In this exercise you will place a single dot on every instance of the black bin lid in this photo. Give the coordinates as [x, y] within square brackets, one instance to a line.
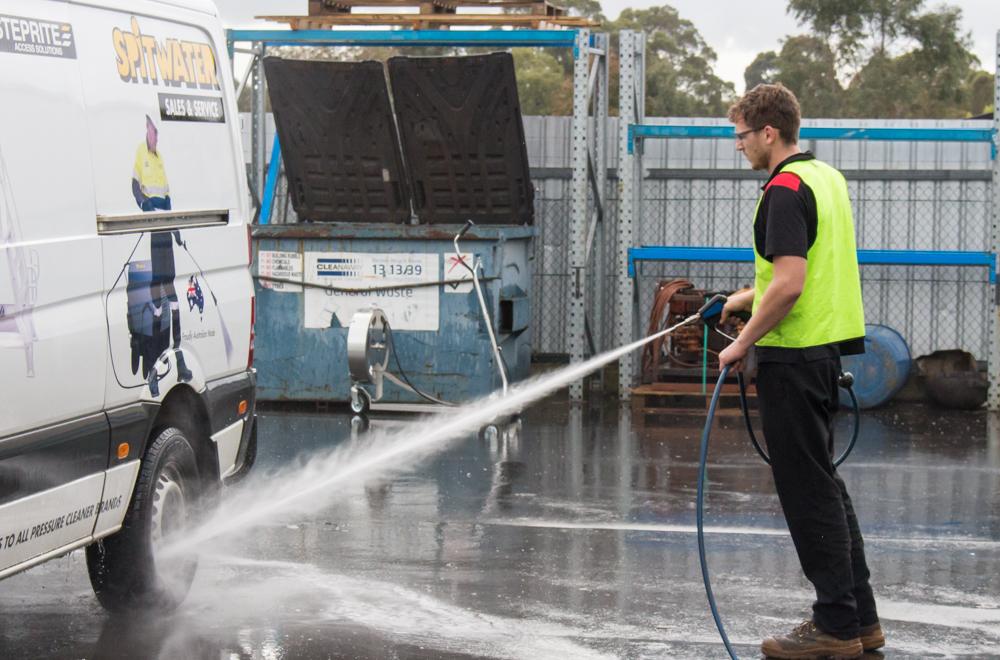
[463, 138]
[339, 140]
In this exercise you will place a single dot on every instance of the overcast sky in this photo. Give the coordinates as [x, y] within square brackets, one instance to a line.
[735, 29]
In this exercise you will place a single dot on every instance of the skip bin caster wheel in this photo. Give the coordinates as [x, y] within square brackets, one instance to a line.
[361, 400]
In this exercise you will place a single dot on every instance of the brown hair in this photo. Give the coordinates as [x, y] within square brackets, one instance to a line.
[769, 105]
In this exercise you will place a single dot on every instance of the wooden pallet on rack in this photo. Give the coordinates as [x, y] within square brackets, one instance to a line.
[327, 7]
[325, 14]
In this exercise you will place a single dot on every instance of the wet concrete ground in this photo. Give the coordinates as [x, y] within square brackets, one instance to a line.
[575, 540]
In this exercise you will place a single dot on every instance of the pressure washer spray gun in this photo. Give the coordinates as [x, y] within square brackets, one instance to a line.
[712, 308]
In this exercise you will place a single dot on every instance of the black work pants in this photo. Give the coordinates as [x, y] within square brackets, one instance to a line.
[798, 398]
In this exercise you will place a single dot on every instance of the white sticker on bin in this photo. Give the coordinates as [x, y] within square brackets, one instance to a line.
[278, 270]
[352, 281]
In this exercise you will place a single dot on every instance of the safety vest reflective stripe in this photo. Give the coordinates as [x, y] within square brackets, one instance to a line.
[830, 308]
[148, 170]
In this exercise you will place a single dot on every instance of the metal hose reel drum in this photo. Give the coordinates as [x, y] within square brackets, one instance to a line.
[368, 351]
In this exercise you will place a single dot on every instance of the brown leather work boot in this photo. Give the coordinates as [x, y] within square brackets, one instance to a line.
[872, 637]
[806, 641]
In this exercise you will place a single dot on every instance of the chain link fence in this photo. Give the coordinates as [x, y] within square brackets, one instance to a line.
[906, 196]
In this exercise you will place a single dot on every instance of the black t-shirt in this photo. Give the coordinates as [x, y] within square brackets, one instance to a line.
[786, 221]
[785, 226]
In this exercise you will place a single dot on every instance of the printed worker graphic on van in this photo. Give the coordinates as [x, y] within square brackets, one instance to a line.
[149, 177]
[154, 315]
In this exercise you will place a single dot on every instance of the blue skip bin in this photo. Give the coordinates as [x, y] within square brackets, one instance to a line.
[311, 278]
[881, 371]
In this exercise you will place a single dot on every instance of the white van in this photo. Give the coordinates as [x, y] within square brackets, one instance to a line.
[126, 303]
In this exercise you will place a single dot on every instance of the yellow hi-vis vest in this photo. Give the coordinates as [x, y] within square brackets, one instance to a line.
[149, 172]
[829, 310]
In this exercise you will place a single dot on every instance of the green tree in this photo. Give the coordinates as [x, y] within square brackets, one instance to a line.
[856, 29]
[542, 84]
[928, 80]
[546, 95]
[876, 58]
[680, 76]
[807, 66]
[587, 8]
[765, 68]
[980, 86]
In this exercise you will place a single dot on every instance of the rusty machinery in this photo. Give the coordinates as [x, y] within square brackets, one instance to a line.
[677, 355]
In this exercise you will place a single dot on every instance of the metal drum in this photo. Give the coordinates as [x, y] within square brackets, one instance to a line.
[881, 371]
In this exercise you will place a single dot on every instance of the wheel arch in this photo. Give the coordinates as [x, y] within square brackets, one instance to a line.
[184, 409]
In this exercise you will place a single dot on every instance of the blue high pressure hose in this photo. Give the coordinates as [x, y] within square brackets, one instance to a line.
[846, 382]
[702, 469]
[710, 309]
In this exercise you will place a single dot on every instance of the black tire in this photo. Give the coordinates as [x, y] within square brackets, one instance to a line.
[123, 567]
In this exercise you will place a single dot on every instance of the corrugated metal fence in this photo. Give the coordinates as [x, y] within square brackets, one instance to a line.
[907, 196]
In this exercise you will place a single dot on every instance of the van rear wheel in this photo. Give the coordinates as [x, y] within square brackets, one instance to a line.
[128, 570]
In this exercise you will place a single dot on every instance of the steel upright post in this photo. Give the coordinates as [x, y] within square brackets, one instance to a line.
[603, 43]
[258, 117]
[993, 401]
[579, 149]
[631, 110]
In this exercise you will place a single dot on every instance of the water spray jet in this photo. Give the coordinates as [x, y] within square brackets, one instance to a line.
[389, 452]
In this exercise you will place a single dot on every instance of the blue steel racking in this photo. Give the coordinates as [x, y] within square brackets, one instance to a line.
[883, 257]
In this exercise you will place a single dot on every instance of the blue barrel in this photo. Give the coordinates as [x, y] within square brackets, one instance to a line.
[881, 371]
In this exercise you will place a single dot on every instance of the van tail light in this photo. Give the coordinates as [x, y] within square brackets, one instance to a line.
[253, 334]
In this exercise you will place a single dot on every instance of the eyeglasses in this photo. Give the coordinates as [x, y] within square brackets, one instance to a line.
[743, 134]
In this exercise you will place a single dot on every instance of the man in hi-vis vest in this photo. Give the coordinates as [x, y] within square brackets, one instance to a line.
[807, 312]
[149, 178]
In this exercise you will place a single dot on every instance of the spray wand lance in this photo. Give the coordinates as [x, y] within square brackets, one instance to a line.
[474, 269]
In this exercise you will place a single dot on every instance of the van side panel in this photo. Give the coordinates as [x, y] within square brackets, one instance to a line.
[123, 259]
[160, 128]
[52, 330]
[117, 495]
[135, 65]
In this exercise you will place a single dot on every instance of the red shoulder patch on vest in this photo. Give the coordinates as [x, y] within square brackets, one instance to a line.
[786, 180]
